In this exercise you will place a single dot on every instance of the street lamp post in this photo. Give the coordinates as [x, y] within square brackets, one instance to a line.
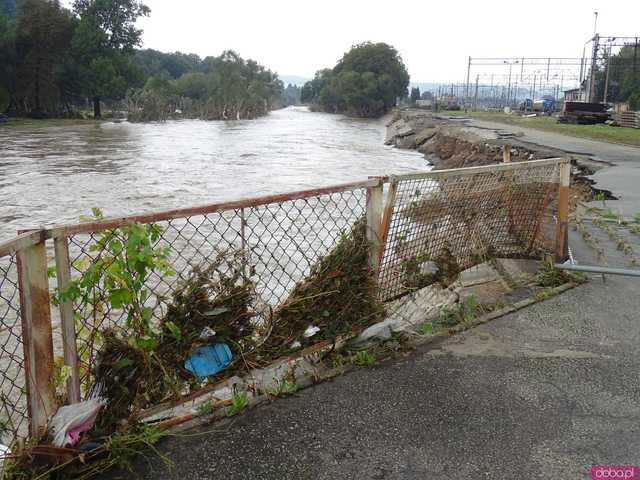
[511, 64]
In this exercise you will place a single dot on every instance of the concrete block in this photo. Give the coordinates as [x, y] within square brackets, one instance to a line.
[483, 273]
[518, 270]
[407, 312]
[484, 293]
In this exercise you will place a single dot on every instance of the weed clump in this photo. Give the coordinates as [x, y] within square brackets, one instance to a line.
[338, 296]
[550, 276]
[463, 313]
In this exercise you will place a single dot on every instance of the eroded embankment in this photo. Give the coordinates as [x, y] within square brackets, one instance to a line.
[452, 144]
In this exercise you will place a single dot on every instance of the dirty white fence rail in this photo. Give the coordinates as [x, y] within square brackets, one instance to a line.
[449, 219]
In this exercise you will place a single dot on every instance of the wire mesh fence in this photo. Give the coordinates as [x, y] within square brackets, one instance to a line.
[276, 244]
[13, 401]
[296, 251]
[440, 223]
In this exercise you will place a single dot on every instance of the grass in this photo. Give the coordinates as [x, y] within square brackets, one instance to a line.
[426, 328]
[284, 388]
[464, 312]
[205, 409]
[610, 215]
[239, 402]
[627, 136]
[32, 123]
[549, 276]
[362, 358]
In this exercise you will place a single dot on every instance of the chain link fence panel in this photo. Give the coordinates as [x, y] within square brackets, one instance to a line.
[439, 223]
[279, 242]
[13, 398]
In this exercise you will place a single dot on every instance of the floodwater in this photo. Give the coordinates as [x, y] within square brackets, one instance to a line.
[54, 175]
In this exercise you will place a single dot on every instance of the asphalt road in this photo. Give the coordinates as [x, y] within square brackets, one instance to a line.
[540, 394]
[622, 178]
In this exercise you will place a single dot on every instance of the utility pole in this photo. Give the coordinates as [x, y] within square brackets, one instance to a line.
[475, 100]
[548, 67]
[533, 90]
[594, 66]
[606, 79]
[511, 64]
[594, 60]
[467, 90]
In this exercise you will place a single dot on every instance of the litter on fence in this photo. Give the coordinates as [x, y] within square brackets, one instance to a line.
[209, 360]
[71, 421]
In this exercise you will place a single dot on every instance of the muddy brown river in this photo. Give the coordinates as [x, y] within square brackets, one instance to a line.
[53, 175]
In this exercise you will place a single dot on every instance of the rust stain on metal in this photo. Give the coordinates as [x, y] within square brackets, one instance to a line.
[386, 217]
[66, 230]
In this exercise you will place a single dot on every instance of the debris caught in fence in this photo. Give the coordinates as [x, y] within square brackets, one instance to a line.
[338, 296]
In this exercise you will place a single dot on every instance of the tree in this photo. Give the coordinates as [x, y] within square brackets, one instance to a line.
[221, 88]
[624, 76]
[43, 35]
[291, 95]
[7, 60]
[311, 90]
[366, 82]
[167, 65]
[380, 59]
[104, 42]
[8, 8]
[415, 95]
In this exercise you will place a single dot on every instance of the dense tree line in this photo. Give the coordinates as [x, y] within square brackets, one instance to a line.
[366, 82]
[54, 57]
[624, 77]
[54, 60]
[291, 95]
[216, 88]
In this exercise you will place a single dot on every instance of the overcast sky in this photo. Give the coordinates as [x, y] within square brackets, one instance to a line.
[434, 37]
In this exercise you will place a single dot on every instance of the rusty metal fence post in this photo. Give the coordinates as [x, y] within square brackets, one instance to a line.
[374, 219]
[506, 153]
[562, 224]
[67, 319]
[37, 337]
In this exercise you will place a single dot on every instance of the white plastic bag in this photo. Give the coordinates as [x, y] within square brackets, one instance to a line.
[71, 420]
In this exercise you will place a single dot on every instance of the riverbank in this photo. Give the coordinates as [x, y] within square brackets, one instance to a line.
[605, 133]
[33, 123]
[448, 143]
[451, 144]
